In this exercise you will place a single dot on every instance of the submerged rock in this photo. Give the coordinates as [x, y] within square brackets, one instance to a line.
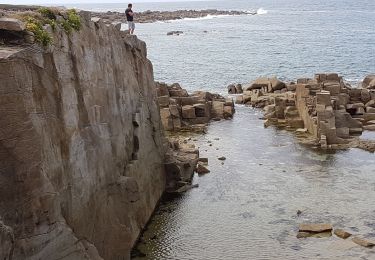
[342, 233]
[363, 242]
[175, 33]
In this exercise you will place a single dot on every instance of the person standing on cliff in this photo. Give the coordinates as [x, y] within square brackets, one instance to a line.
[130, 18]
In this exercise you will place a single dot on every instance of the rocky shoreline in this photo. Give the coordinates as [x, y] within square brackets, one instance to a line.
[140, 17]
[154, 16]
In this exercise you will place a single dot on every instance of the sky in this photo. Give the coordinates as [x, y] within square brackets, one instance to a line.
[57, 2]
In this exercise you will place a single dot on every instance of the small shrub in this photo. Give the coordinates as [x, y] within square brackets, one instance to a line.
[67, 27]
[53, 23]
[40, 34]
[36, 20]
[73, 21]
[47, 13]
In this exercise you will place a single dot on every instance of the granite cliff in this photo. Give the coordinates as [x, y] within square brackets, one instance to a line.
[81, 145]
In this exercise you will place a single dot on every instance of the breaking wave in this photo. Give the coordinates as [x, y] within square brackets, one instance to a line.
[262, 11]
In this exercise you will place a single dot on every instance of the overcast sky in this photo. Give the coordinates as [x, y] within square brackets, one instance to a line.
[58, 2]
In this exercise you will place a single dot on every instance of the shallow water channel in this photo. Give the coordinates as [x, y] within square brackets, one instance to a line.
[247, 207]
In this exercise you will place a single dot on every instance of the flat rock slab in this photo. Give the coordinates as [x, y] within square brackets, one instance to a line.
[315, 228]
[363, 242]
[11, 24]
[342, 233]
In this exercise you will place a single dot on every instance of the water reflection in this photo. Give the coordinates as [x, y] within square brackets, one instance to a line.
[247, 207]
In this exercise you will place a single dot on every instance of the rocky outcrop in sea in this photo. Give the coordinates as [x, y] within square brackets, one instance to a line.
[326, 107]
[154, 16]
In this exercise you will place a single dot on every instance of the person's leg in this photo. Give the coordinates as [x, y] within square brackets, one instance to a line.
[133, 27]
[130, 27]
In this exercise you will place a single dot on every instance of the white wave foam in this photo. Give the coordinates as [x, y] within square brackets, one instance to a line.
[207, 17]
[250, 12]
[262, 11]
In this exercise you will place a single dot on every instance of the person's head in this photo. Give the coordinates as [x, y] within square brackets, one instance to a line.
[130, 5]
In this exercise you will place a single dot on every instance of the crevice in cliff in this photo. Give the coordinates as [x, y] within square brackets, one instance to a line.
[83, 114]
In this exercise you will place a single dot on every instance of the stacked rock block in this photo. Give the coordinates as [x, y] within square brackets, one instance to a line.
[277, 99]
[332, 96]
[283, 111]
[325, 106]
[181, 111]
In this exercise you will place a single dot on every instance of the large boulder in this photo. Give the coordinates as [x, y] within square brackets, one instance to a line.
[228, 112]
[231, 89]
[235, 89]
[276, 84]
[369, 81]
[365, 95]
[162, 89]
[268, 84]
[239, 89]
[259, 83]
[11, 24]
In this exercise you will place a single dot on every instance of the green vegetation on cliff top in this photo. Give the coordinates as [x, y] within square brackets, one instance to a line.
[36, 22]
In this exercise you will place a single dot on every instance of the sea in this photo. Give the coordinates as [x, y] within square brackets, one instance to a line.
[287, 38]
[250, 205]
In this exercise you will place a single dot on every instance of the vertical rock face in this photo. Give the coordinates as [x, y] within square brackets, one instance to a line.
[81, 153]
